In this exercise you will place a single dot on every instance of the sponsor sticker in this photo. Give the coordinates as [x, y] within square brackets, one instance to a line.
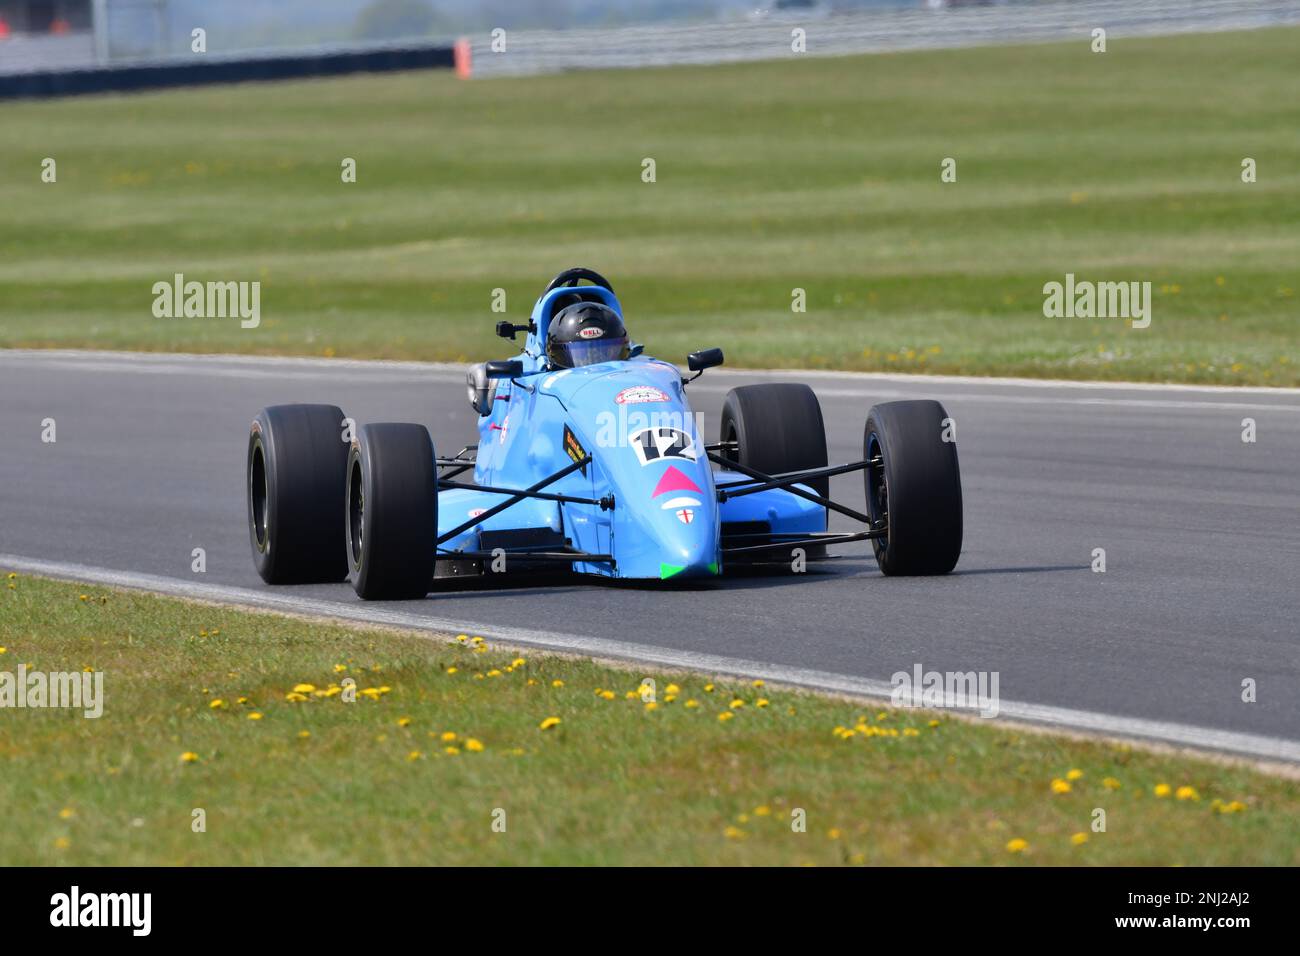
[573, 448]
[662, 444]
[640, 394]
[686, 516]
[591, 332]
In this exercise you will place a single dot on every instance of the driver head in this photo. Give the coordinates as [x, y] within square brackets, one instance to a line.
[585, 333]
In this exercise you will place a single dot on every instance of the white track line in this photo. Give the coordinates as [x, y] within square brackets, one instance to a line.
[297, 368]
[103, 360]
[1182, 735]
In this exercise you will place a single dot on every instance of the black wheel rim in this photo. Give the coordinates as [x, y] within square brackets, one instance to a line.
[356, 509]
[731, 444]
[257, 494]
[877, 492]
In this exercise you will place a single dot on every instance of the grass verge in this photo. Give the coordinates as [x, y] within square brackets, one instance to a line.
[813, 174]
[446, 737]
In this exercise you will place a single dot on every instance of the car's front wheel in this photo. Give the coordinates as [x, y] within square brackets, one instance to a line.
[392, 511]
[913, 487]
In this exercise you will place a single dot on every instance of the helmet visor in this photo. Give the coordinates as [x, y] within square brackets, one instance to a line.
[593, 351]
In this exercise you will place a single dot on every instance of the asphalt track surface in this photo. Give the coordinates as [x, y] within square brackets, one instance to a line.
[1201, 589]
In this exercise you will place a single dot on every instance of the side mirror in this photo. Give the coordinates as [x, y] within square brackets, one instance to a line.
[476, 384]
[708, 358]
[507, 330]
[511, 368]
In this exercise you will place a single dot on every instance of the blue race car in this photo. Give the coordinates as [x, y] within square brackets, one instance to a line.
[590, 459]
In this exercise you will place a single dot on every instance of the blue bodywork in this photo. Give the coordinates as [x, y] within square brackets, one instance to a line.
[634, 419]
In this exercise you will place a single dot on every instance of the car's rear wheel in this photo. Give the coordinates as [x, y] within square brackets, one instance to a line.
[776, 428]
[296, 468]
[392, 511]
[913, 487]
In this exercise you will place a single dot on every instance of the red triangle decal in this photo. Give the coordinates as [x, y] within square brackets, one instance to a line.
[674, 480]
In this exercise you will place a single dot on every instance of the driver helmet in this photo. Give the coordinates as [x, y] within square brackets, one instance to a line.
[585, 333]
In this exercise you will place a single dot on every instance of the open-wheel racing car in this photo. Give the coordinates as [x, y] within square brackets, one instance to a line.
[589, 458]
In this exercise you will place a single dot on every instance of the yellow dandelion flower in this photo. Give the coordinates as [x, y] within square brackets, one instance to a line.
[1079, 839]
[1161, 790]
[758, 683]
[911, 732]
[651, 705]
[548, 723]
[474, 745]
[762, 702]
[385, 689]
[1110, 783]
[448, 736]
[452, 670]
[295, 697]
[403, 721]
[1074, 774]
[726, 715]
[462, 638]
[216, 703]
[1060, 786]
[67, 813]
[189, 757]
[304, 734]
[833, 833]
[62, 843]
[476, 640]
[672, 689]
[557, 683]
[414, 755]
[494, 673]
[934, 723]
[734, 833]
[607, 694]
[763, 811]
[254, 716]
[82, 597]
[1186, 793]
[303, 688]
[692, 704]
[708, 688]
[737, 703]
[451, 751]
[669, 698]
[518, 662]
[1017, 845]
[242, 700]
[340, 668]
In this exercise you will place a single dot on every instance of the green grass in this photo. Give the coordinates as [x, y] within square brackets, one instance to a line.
[821, 174]
[323, 780]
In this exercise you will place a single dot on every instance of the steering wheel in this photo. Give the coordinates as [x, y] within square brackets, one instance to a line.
[569, 278]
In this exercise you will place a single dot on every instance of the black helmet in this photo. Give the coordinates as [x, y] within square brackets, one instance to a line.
[585, 333]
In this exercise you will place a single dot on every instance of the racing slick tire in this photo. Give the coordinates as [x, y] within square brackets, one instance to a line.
[914, 489]
[392, 511]
[778, 428]
[296, 468]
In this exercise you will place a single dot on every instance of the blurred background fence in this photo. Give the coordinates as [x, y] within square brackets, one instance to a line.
[132, 43]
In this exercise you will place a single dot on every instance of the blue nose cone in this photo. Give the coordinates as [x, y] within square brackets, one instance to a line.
[685, 522]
